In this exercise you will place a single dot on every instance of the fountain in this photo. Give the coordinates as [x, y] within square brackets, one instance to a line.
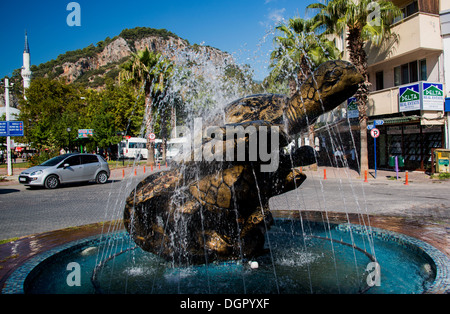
[205, 225]
[217, 208]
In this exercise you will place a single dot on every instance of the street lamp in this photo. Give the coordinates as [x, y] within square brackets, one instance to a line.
[68, 132]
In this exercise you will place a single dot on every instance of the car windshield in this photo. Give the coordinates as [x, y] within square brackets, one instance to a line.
[55, 160]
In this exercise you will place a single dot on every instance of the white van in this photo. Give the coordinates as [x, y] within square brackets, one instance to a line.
[175, 147]
[133, 147]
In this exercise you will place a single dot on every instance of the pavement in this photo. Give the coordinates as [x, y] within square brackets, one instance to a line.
[324, 172]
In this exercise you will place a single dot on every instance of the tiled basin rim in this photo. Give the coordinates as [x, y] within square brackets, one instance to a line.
[15, 284]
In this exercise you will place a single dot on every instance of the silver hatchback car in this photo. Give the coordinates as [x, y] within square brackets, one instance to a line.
[67, 168]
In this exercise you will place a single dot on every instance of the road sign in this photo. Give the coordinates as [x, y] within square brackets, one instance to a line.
[152, 136]
[370, 127]
[3, 128]
[15, 128]
[375, 133]
[378, 122]
[11, 128]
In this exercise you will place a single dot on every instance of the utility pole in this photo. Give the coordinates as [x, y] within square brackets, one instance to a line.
[8, 138]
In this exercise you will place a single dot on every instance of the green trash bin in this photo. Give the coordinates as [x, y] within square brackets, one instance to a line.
[400, 160]
[391, 161]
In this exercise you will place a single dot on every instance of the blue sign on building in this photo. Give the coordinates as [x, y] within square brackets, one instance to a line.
[447, 104]
[11, 128]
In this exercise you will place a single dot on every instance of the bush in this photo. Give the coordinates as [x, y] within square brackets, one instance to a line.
[38, 159]
[444, 176]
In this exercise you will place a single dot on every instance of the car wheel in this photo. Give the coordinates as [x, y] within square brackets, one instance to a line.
[102, 177]
[51, 182]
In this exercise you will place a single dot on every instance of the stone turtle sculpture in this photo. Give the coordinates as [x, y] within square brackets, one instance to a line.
[201, 211]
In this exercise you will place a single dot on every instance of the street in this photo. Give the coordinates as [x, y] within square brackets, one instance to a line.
[25, 211]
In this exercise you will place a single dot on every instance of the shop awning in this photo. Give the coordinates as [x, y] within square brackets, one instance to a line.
[398, 120]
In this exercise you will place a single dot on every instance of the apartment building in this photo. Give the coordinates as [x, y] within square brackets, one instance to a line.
[408, 76]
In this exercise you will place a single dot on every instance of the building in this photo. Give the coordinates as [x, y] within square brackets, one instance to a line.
[445, 32]
[26, 72]
[407, 76]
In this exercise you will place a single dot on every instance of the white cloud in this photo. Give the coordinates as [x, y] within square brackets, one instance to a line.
[276, 15]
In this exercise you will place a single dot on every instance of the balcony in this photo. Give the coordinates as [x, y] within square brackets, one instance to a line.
[418, 32]
[383, 102]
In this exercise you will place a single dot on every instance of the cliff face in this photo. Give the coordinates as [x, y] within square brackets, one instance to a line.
[94, 64]
[91, 68]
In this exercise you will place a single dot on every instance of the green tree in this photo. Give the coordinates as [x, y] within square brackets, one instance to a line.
[51, 107]
[361, 21]
[298, 52]
[149, 73]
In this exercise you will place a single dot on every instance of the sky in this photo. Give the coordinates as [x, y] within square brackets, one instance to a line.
[240, 27]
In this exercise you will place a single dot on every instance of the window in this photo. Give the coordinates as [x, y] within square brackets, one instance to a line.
[379, 83]
[423, 70]
[397, 76]
[72, 161]
[410, 9]
[88, 159]
[413, 74]
[410, 72]
[405, 73]
[136, 145]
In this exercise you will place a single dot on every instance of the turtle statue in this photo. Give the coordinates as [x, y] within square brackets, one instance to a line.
[200, 211]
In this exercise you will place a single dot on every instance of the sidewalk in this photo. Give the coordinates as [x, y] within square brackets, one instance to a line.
[116, 173]
[381, 175]
[322, 172]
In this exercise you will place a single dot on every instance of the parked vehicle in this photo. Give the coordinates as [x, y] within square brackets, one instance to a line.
[175, 147]
[133, 147]
[67, 168]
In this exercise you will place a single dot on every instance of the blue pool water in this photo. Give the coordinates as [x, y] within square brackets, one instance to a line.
[300, 258]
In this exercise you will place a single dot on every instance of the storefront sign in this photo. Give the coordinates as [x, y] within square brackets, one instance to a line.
[447, 104]
[421, 96]
[409, 98]
[433, 96]
[352, 108]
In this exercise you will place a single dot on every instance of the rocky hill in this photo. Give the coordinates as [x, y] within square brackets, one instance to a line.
[94, 64]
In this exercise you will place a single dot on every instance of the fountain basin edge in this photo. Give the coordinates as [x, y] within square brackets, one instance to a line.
[16, 283]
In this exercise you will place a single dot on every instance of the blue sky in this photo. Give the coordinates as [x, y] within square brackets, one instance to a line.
[236, 26]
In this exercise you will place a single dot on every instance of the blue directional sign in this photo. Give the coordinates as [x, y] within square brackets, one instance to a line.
[11, 128]
[378, 122]
[15, 128]
[3, 128]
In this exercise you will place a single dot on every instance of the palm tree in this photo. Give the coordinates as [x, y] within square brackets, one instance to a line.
[299, 51]
[147, 71]
[362, 21]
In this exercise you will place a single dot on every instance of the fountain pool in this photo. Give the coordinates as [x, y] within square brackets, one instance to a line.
[307, 256]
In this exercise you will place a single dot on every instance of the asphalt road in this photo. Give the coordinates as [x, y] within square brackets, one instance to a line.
[25, 211]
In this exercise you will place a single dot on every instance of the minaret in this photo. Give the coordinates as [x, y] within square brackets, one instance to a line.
[26, 72]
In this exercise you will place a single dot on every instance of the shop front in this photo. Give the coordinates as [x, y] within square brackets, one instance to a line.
[411, 142]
